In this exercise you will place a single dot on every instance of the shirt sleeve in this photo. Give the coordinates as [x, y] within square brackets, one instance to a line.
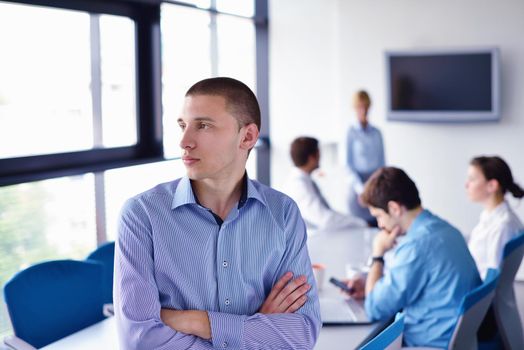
[297, 330]
[137, 305]
[399, 286]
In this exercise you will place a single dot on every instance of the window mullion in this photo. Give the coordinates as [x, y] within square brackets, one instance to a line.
[96, 80]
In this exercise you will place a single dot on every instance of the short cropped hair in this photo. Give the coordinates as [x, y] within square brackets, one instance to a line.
[390, 184]
[241, 102]
[302, 148]
[362, 96]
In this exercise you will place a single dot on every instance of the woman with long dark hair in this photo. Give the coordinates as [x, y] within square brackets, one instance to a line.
[489, 179]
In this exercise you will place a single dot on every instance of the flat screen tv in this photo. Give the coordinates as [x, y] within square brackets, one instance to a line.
[443, 86]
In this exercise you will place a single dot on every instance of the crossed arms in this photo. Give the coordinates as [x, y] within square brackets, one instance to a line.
[286, 319]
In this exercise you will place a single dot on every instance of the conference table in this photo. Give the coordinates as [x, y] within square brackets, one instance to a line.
[338, 251]
[342, 251]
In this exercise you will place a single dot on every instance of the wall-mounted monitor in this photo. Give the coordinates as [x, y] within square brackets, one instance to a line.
[443, 85]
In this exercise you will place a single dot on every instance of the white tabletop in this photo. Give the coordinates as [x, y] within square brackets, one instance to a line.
[100, 336]
[335, 250]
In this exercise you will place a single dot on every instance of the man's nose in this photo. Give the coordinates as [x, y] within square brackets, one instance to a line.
[187, 141]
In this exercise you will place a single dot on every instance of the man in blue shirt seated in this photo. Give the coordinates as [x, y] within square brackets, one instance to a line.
[431, 269]
[215, 260]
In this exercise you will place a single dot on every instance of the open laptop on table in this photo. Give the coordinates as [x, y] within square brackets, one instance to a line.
[342, 311]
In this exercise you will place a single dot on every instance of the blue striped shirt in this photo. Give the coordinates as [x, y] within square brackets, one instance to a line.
[172, 253]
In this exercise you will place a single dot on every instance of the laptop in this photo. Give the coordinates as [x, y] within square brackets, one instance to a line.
[341, 311]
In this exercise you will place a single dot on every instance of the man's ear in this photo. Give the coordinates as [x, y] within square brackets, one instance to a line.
[250, 136]
[394, 209]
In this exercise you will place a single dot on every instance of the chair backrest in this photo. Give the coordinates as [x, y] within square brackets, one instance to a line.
[472, 311]
[53, 299]
[512, 258]
[505, 304]
[105, 254]
[390, 338]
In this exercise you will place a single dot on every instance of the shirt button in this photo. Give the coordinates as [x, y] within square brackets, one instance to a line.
[228, 302]
[225, 264]
[224, 344]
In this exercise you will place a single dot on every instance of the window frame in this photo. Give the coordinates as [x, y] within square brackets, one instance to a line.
[149, 146]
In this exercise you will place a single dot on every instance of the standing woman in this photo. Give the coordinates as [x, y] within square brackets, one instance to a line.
[365, 153]
[489, 178]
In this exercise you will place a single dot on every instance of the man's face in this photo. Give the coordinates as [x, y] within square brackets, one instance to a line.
[386, 221]
[211, 139]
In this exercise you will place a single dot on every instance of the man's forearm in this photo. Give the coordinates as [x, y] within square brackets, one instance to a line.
[194, 322]
[374, 274]
[286, 331]
[274, 331]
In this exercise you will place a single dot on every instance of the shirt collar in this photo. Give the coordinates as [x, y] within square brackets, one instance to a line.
[419, 222]
[184, 193]
[361, 128]
[497, 211]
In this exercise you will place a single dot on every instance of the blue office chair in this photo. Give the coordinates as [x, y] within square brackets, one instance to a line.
[105, 254]
[390, 338]
[53, 299]
[504, 303]
[472, 311]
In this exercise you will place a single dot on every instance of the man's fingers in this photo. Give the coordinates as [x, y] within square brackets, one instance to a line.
[290, 288]
[294, 296]
[281, 283]
[395, 232]
[297, 304]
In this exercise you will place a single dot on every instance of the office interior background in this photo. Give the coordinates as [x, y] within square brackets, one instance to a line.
[86, 123]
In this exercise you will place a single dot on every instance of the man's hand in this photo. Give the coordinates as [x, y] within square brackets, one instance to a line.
[385, 240]
[359, 287]
[194, 322]
[286, 297]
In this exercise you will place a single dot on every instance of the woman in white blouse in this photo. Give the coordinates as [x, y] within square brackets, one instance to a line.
[489, 178]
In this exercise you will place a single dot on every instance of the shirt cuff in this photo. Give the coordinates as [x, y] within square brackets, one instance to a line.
[227, 330]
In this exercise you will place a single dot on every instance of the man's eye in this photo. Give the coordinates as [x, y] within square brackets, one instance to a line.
[203, 126]
[182, 126]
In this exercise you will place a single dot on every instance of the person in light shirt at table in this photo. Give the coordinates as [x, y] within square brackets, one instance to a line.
[431, 268]
[302, 188]
[214, 259]
[489, 179]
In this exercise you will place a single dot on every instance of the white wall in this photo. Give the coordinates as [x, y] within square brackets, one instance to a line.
[435, 155]
[322, 51]
[304, 73]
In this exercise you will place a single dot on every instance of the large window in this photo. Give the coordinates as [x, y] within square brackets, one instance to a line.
[61, 77]
[89, 97]
[197, 44]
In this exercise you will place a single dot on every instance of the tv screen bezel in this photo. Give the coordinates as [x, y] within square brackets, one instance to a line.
[447, 116]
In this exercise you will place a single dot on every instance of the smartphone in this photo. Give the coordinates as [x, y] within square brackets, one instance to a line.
[341, 285]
